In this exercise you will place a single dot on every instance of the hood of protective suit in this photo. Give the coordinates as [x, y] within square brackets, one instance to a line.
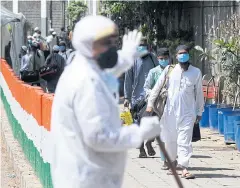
[90, 29]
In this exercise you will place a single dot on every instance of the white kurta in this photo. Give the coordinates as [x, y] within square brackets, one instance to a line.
[185, 101]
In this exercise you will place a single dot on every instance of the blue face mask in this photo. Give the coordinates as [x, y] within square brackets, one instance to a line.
[164, 62]
[29, 41]
[62, 48]
[142, 48]
[112, 82]
[183, 58]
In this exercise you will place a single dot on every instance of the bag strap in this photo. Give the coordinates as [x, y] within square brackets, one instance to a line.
[152, 60]
[170, 68]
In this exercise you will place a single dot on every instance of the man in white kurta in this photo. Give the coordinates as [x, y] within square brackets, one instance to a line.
[183, 108]
[89, 142]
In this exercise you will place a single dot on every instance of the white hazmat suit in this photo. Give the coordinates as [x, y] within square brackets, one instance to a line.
[90, 143]
[185, 102]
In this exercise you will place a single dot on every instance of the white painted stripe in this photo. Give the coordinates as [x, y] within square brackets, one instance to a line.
[38, 134]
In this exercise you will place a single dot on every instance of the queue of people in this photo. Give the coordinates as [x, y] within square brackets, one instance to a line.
[184, 106]
[44, 56]
[89, 141]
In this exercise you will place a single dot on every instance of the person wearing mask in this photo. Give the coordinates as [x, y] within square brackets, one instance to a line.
[89, 142]
[29, 42]
[32, 62]
[184, 107]
[52, 39]
[134, 82]
[60, 62]
[62, 50]
[37, 55]
[63, 35]
[36, 30]
[153, 75]
[136, 76]
[25, 59]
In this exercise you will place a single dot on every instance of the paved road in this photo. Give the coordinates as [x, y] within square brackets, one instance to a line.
[8, 176]
[214, 164]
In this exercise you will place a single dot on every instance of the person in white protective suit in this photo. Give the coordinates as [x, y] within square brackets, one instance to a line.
[184, 106]
[89, 142]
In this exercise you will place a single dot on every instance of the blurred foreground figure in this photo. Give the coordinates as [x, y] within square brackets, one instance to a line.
[90, 143]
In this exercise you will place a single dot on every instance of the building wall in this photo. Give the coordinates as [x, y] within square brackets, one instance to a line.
[205, 15]
[7, 5]
[32, 11]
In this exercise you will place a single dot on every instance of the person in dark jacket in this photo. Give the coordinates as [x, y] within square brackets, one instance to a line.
[59, 60]
[135, 78]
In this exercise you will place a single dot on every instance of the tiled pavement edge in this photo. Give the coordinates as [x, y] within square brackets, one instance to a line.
[22, 168]
[214, 164]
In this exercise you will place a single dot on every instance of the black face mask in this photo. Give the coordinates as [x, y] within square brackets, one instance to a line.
[108, 59]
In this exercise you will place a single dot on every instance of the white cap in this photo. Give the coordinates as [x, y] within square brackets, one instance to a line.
[36, 29]
[29, 37]
[54, 33]
[35, 35]
[24, 48]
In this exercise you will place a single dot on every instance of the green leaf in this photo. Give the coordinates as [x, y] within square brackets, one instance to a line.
[199, 48]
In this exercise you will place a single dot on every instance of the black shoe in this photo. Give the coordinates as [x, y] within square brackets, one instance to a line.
[150, 150]
[143, 153]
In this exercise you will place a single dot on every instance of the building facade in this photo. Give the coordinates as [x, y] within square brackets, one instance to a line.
[55, 13]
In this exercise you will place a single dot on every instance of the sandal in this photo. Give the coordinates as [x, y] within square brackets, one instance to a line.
[171, 173]
[188, 176]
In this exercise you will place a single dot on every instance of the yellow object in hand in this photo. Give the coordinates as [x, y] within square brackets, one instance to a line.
[126, 117]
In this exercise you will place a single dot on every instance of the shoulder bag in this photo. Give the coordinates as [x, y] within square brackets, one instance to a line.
[160, 101]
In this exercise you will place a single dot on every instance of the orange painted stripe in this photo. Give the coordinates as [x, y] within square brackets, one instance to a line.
[32, 99]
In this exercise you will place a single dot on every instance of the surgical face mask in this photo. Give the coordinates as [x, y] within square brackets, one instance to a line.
[108, 59]
[111, 81]
[163, 62]
[142, 48]
[29, 41]
[62, 48]
[183, 58]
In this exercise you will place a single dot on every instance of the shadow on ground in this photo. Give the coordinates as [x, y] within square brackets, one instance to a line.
[201, 156]
[215, 176]
[208, 168]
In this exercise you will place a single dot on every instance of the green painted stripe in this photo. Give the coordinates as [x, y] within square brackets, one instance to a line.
[41, 169]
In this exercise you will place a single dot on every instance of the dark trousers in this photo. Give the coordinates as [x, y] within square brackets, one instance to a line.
[146, 114]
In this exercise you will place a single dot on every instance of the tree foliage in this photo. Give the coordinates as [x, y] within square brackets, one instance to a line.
[224, 53]
[152, 18]
[76, 10]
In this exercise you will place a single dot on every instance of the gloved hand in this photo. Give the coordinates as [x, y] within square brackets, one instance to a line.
[130, 43]
[149, 127]
[128, 53]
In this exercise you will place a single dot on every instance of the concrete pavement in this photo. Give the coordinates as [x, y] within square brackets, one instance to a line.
[213, 163]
